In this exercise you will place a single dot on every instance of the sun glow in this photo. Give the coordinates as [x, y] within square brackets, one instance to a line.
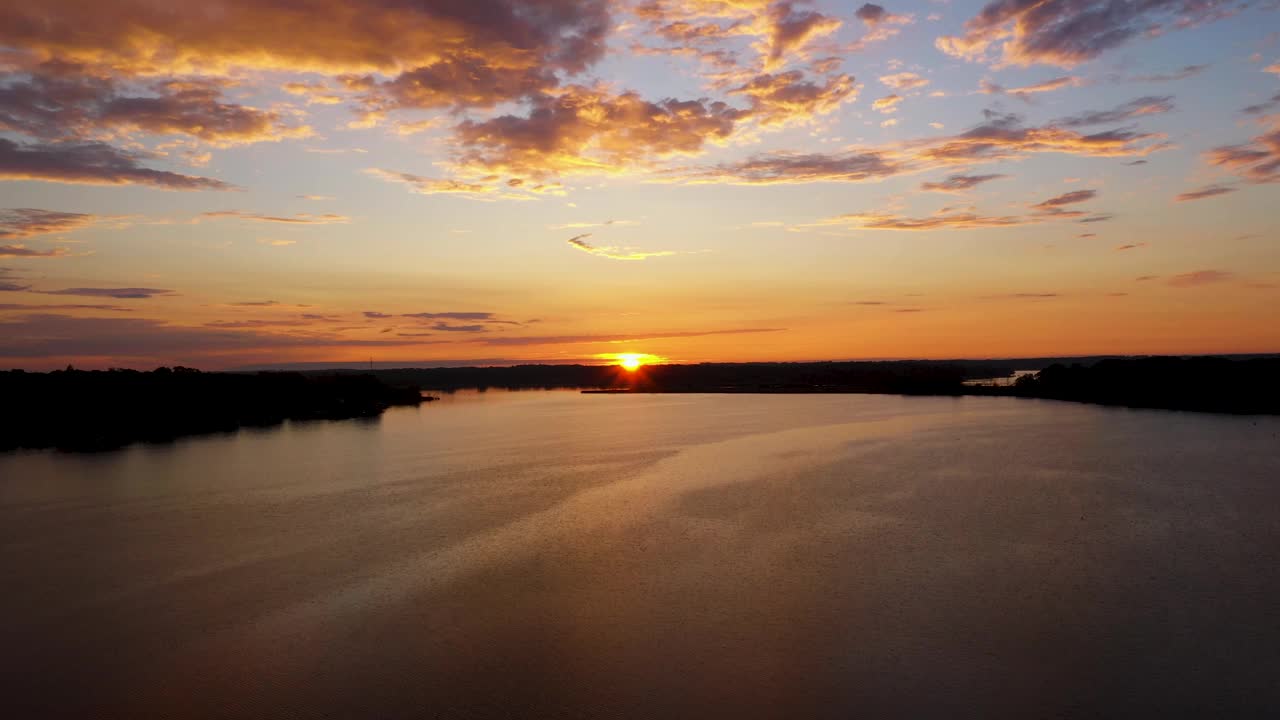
[631, 361]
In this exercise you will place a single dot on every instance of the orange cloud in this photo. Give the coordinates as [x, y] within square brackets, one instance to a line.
[887, 104]
[904, 81]
[786, 98]
[590, 130]
[938, 221]
[329, 36]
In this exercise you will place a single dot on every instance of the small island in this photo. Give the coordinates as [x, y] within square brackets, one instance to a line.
[101, 410]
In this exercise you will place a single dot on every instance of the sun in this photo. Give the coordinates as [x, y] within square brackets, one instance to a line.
[630, 361]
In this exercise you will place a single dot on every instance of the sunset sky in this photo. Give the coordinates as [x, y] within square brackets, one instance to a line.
[271, 182]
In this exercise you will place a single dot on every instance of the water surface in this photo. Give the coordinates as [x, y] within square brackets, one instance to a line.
[551, 554]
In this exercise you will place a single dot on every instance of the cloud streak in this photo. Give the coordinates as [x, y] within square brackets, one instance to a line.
[91, 164]
[614, 252]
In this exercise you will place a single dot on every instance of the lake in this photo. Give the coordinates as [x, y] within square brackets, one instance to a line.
[553, 554]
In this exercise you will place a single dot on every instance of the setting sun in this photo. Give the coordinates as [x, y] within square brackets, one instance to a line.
[631, 361]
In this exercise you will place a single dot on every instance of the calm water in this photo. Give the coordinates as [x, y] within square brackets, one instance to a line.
[565, 555]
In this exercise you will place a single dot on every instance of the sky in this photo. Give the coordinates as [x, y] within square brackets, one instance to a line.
[252, 183]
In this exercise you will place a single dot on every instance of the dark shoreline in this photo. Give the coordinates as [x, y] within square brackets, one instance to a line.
[1241, 385]
[85, 411]
[102, 410]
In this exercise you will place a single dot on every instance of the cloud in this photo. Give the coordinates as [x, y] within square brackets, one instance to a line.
[7, 283]
[1069, 32]
[29, 307]
[1263, 107]
[1025, 92]
[1000, 137]
[255, 303]
[584, 129]
[241, 324]
[1131, 246]
[60, 102]
[516, 340]
[937, 221]
[91, 164]
[581, 225]
[118, 339]
[489, 190]
[1255, 162]
[130, 293]
[459, 82]
[1181, 74]
[1005, 137]
[779, 168]
[881, 25]
[298, 219]
[315, 93]
[786, 98]
[17, 223]
[376, 315]
[451, 315]
[1204, 192]
[448, 327]
[789, 31]
[959, 183]
[887, 104]
[22, 251]
[1054, 205]
[613, 252]
[1149, 105]
[1023, 296]
[326, 36]
[904, 81]
[1200, 277]
[870, 14]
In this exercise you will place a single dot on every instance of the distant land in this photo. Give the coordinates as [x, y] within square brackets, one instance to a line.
[1229, 384]
[95, 410]
[101, 410]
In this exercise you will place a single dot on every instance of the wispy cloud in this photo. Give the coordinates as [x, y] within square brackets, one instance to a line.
[1200, 277]
[516, 340]
[22, 251]
[960, 183]
[127, 293]
[1204, 192]
[615, 252]
[20, 223]
[91, 164]
[298, 219]
[1149, 105]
